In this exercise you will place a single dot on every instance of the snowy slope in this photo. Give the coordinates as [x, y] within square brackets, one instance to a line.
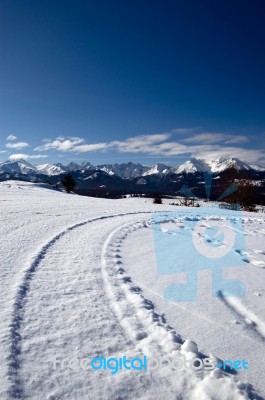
[76, 274]
[257, 167]
[157, 169]
[124, 170]
[223, 163]
[49, 169]
[192, 166]
[21, 166]
[229, 328]
[215, 166]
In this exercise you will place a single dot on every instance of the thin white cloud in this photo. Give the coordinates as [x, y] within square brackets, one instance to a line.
[210, 138]
[205, 145]
[60, 143]
[140, 144]
[236, 139]
[18, 145]
[147, 145]
[15, 157]
[214, 152]
[90, 147]
[184, 131]
[76, 144]
[11, 137]
[204, 150]
[3, 151]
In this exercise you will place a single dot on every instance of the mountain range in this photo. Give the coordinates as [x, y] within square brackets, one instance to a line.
[130, 169]
[130, 177]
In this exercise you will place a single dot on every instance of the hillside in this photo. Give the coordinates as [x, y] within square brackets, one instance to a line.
[79, 280]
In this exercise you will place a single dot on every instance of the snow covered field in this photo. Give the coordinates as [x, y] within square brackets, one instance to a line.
[79, 280]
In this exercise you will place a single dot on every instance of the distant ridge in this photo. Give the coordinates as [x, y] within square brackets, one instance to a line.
[130, 169]
[114, 180]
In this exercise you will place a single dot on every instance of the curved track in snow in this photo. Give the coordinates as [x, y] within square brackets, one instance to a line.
[16, 388]
[80, 296]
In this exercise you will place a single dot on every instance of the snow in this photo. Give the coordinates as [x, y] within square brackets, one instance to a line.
[229, 328]
[189, 345]
[222, 163]
[130, 169]
[124, 170]
[72, 166]
[78, 280]
[49, 169]
[215, 166]
[21, 166]
[257, 167]
[192, 166]
[141, 181]
[158, 169]
[107, 170]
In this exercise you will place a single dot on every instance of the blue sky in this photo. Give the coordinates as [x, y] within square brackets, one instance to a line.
[144, 81]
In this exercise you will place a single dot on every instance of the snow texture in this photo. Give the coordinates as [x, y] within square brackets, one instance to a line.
[79, 280]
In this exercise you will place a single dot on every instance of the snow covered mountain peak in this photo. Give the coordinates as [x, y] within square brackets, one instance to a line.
[193, 165]
[129, 170]
[20, 166]
[158, 169]
[222, 163]
[85, 165]
[124, 170]
[49, 169]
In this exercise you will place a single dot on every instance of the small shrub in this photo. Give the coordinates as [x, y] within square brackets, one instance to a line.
[188, 202]
[157, 200]
[250, 208]
[68, 182]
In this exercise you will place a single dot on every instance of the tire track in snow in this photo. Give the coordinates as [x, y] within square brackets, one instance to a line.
[16, 390]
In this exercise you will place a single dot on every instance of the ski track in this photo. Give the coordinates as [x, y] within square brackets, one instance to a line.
[16, 390]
